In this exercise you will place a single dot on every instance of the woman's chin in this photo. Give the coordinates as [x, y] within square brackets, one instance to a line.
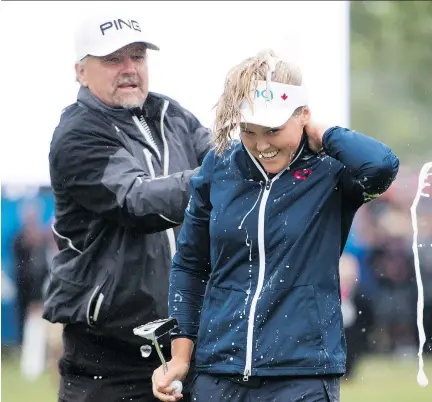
[273, 167]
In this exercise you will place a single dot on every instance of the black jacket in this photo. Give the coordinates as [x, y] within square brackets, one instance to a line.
[119, 192]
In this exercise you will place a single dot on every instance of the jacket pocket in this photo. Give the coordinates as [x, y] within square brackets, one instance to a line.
[98, 301]
[288, 328]
[223, 327]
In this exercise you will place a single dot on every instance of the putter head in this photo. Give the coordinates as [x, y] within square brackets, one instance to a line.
[155, 329]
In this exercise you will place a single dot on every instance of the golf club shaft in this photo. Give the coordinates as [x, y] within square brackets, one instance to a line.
[161, 356]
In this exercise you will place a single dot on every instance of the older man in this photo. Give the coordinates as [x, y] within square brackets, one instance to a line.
[120, 162]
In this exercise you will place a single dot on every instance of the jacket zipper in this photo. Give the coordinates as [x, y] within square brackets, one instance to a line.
[262, 263]
[148, 157]
[147, 134]
[169, 232]
[261, 274]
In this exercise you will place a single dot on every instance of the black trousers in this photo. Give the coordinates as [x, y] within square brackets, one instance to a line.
[99, 369]
[78, 388]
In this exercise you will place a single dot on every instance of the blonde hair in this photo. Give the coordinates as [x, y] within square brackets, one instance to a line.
[239, 83]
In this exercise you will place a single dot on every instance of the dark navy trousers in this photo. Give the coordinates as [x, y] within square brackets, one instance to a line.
[215, 388]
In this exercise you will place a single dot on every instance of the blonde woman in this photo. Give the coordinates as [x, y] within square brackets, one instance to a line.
[254, 283]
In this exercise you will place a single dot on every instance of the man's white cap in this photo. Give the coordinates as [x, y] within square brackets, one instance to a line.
[101, 35]
[275, 107]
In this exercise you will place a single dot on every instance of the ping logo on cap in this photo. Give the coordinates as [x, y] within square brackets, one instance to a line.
[119, 24]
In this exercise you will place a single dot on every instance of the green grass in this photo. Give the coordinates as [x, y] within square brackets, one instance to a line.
[377, 380]
[388, 380]
[14, 388]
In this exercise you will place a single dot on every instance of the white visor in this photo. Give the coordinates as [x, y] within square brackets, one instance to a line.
[275, 109]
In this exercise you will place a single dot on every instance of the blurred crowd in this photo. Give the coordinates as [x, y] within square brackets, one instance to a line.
[33, 248]
[378, 280]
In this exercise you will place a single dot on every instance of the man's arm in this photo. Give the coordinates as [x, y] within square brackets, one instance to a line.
[106, 179]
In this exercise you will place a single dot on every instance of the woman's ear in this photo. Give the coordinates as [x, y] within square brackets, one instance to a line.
[305, 116]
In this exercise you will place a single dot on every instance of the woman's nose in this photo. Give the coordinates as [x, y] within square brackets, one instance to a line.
[262, 145]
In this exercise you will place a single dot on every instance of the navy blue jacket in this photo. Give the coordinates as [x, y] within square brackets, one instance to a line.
[255, 277]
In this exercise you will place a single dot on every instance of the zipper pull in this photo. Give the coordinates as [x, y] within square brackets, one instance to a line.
[246, 376]
[268, 184]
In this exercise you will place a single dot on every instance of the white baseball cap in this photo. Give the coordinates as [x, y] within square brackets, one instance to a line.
[100, 35]
[275, 107]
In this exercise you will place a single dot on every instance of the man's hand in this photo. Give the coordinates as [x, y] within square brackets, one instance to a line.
[315, 134]
[162, 388]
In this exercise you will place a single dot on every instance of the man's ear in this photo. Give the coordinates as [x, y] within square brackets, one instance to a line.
[80, 73]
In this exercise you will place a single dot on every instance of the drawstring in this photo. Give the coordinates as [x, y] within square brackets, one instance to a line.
[253, 207]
